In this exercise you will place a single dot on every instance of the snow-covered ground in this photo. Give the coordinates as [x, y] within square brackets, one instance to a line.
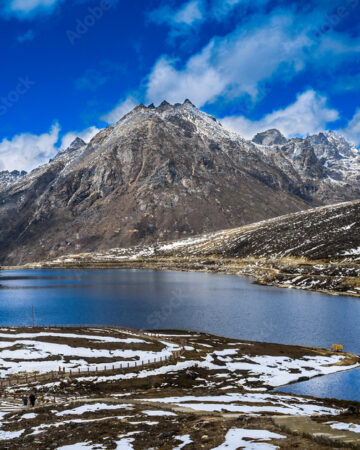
[276, 371]
[213, 376]
[37, 352]
[272, 371]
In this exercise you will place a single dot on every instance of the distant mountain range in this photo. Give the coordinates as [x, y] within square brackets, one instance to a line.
[163, 173]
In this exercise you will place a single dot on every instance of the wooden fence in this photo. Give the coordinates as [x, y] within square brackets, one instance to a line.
[111, 368]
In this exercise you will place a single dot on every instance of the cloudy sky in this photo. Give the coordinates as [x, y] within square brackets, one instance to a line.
[71, 67]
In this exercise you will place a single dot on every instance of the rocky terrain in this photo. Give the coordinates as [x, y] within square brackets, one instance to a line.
[317, 249]
[163, 173]
[216, 394]
[8, 178]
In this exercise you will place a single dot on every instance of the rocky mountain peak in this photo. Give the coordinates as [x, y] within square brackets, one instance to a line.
[164, 106]
[330, 146]
[188, 102]
[270, 137]
[139, 107]
[76, 143]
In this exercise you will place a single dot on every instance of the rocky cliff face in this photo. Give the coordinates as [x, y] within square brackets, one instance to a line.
[7, 178]
[164, 173]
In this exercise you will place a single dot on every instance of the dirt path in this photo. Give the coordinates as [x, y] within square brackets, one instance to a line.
[16, 406]
[322, 433]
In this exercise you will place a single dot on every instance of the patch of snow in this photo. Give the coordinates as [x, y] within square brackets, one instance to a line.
[28, 416]
[78, 446]
[124, 444]
[248, 439]
[91, 408]
[226, 352]
[355, 428]
[151, 412]
[8, 435]
[185, 441]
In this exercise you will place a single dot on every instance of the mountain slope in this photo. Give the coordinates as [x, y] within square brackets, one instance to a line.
[163, 173]
[317, 249]
[326, 233]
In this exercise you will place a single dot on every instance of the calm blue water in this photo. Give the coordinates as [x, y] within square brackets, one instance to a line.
[344, 386]
[220, 304]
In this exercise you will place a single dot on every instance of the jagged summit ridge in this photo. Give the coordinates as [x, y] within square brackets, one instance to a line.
[204, 123]
[77, 143]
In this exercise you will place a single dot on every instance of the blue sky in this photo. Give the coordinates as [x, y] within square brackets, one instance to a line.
[72, 67]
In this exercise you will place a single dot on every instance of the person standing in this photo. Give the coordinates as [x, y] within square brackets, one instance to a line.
[25, 401]
[32, 399]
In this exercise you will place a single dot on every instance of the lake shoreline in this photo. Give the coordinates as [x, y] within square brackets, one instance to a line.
[288, 273]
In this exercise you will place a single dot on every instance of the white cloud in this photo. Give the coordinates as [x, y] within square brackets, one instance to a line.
[219, 9]
[340, 45]
[189, 13]
[86, 135]
[23, 9]
[180, 20]
[195, 12]
[309, 114]
[274, 46]
[27, 151]
[233, 66]
[352, 131]
[120, 110]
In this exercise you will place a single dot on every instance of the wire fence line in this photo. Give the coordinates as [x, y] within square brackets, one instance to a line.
[53, 376]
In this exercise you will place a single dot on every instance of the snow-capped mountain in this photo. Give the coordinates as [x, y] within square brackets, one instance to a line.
[165, 172]
[7, 178]
[325, 166]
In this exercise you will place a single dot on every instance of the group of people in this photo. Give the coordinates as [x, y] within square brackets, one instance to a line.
[31, 399]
